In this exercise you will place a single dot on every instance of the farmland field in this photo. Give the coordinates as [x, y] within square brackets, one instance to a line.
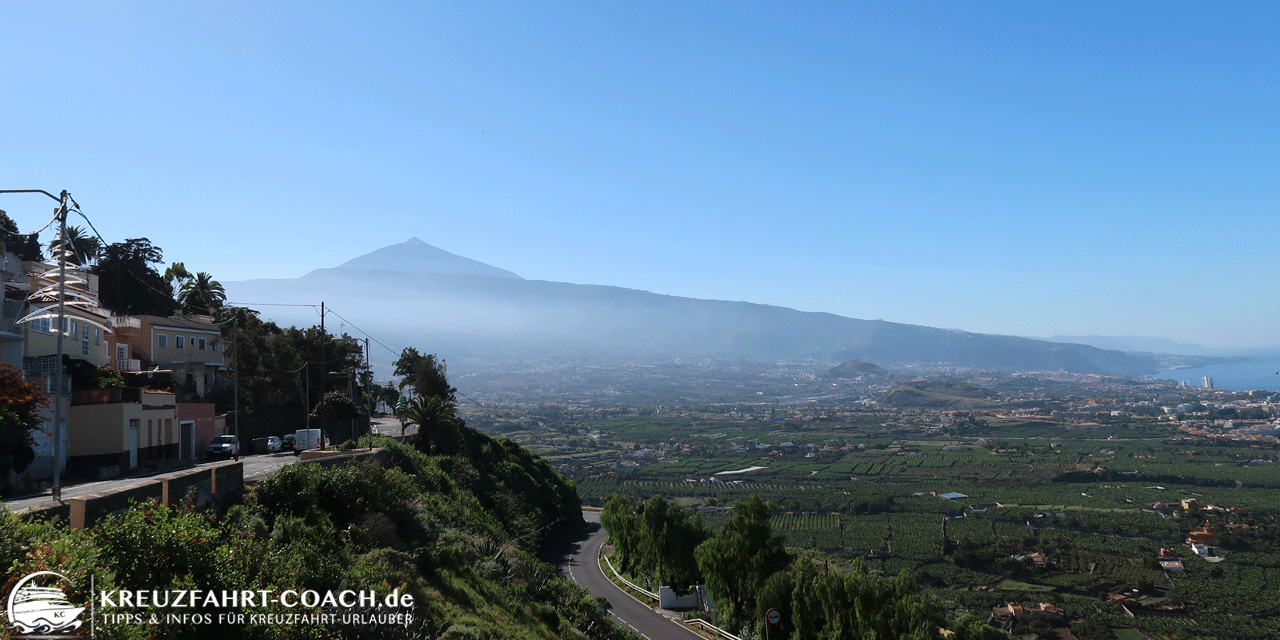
[1073, 509]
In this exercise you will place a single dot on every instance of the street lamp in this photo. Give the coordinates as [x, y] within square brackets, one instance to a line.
[61, 213]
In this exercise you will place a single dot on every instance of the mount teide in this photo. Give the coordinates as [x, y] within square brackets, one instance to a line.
[431, 298]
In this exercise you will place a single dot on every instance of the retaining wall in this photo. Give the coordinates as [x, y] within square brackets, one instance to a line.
[211, 487]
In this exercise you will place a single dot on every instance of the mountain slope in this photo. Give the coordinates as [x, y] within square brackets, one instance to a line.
[476, 312]
[417, 256]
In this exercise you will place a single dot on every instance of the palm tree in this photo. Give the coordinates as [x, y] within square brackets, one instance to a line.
[82, 248]
[437, 422]
[201, 294]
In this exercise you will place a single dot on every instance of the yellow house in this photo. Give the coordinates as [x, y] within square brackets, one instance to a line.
[127, 426]
[29, 339]
[85, 324]
[189, 346]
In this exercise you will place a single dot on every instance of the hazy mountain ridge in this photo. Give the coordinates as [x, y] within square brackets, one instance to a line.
[392, 290]
[1165, 346]
[418, 256]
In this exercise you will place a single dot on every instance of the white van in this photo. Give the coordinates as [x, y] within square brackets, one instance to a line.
[309, 439]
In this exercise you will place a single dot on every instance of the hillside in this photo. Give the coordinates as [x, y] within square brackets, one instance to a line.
[457, 535]
[939, 394]
[854, 368]
[479, 314]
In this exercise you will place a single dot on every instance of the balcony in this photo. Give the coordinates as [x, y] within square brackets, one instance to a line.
[128, 364]
[127, 325]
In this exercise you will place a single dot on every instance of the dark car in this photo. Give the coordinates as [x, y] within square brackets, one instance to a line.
[286, 442]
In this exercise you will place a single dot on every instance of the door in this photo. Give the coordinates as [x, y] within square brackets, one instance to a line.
[133, 443]
[188, 436]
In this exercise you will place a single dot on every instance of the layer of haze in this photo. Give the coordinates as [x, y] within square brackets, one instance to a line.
[1025, 168]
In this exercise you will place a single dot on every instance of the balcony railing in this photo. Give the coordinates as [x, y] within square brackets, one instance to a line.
[125, 323]
[128, 364]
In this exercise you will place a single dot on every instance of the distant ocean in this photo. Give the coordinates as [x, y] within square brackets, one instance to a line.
[1258, 373]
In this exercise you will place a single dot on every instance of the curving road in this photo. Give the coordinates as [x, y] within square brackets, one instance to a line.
[579, 560]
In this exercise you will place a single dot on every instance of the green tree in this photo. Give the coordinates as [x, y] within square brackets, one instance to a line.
[276, 368]
[336, 407]
[129, 284]
[655, 540]
[176, 274]
[738, 559]
[25, 246]
[20, 404]
[425, 374]
[201, 294]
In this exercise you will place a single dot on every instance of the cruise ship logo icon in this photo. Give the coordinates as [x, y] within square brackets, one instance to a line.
[38, 604]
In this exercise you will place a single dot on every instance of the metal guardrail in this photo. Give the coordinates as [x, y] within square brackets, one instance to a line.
[703, 623]
[712, 628]
[626, 581]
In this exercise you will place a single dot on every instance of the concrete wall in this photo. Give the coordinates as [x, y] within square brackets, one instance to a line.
[332, 457]
[102, 428]
[197, 482]
[214, 487]
[202, 414]
[667, 599]
[91, 508]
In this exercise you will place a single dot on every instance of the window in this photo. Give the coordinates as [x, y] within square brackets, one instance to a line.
[162, 340]
[216, 347]
[97, 336]
[179, 341]
[84, 341]
[42, 325]
[201, 343]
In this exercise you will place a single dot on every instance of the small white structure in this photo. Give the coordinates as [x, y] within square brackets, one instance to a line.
[696, 599]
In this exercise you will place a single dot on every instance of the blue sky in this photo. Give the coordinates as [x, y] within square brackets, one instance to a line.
[1028, 168]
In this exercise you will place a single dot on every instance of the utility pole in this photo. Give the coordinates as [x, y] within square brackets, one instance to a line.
[368, 390]
[61, 213]
[324, 373]
[235, 384]
[62, 301]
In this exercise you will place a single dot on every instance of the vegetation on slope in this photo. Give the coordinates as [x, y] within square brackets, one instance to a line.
[459, 533]
[748, 572]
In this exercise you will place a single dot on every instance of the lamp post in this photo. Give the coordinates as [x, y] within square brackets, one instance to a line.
[61, 213]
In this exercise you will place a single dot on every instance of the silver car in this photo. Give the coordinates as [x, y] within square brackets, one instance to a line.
[223, 447]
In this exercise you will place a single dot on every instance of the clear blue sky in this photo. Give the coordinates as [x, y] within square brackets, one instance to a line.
[1029, 168]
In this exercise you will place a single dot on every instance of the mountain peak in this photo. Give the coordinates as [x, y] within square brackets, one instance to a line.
[414, 255]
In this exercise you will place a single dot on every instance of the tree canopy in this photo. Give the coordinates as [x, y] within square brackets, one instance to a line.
[26, 247]
[82, 248]
[738, 560]
[201, 294]
[425, 374]
[129, 284]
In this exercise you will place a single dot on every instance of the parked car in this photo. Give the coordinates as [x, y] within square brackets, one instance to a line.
[223, 447]
[274, 444]
[286, 442]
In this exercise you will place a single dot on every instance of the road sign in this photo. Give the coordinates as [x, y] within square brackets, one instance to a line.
[773, 617]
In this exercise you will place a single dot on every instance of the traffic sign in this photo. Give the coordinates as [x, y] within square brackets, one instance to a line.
[773, 617]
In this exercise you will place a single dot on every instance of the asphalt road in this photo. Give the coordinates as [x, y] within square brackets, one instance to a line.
[578, 560]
